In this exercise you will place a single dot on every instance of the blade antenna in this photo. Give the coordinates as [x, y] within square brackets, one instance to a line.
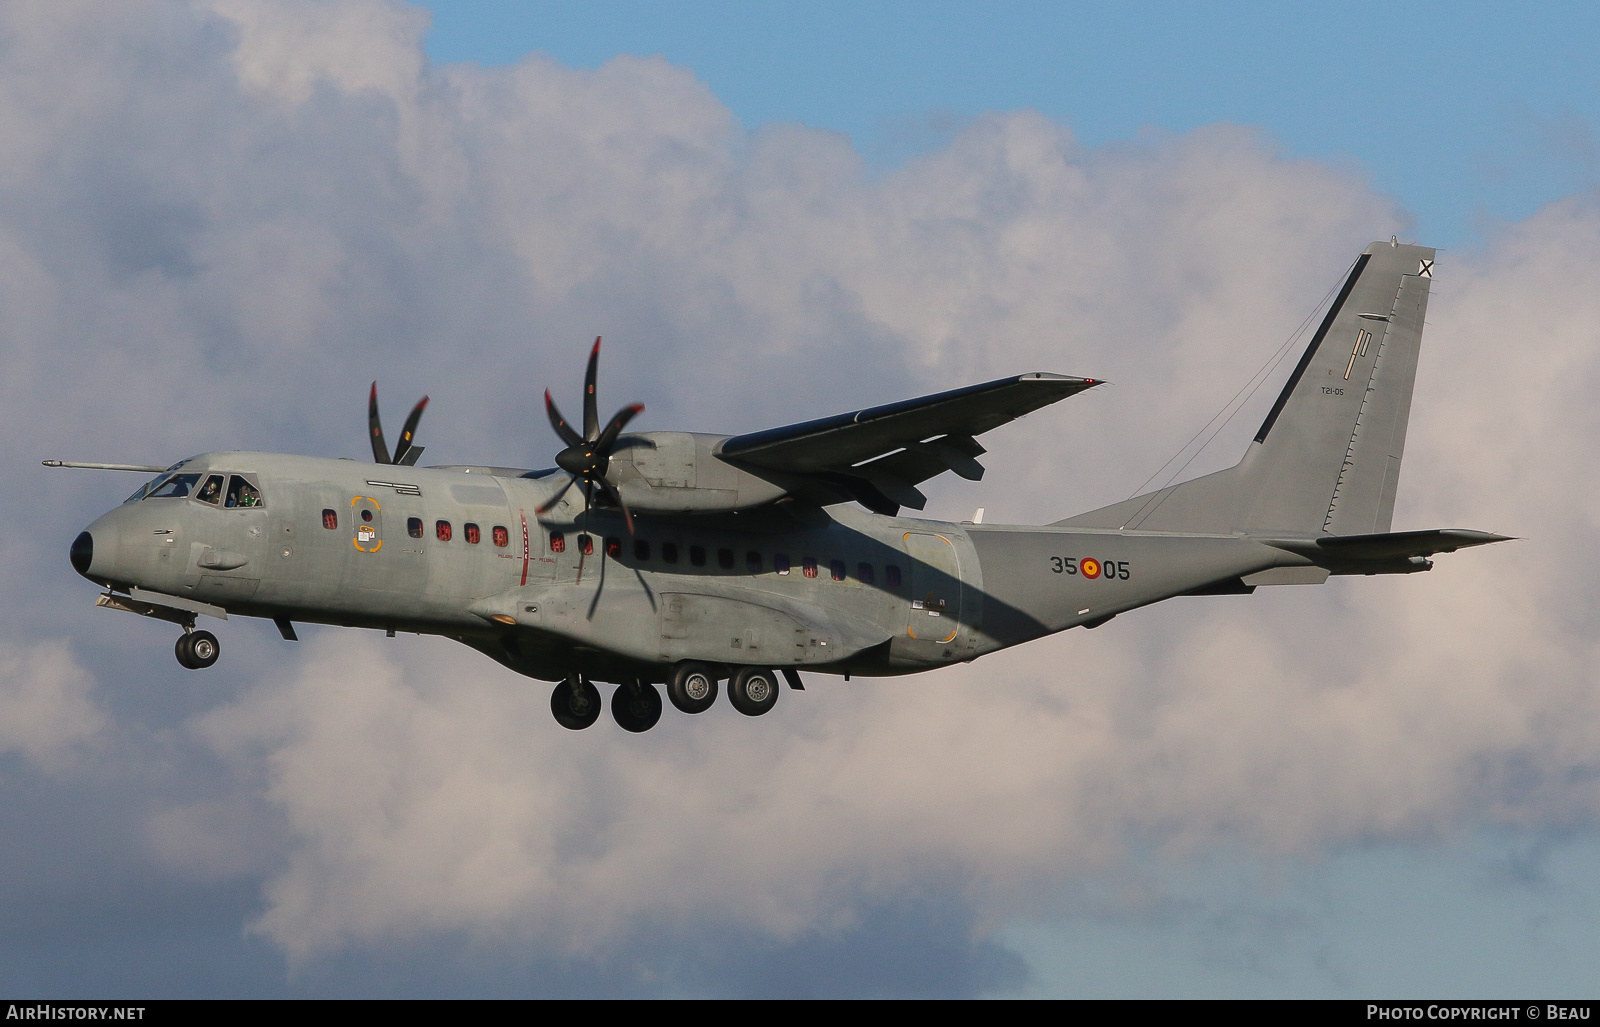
[380, 448]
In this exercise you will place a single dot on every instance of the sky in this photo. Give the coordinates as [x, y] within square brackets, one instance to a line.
[220, 220]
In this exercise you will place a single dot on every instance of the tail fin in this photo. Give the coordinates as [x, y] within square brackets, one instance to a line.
[1327, 458]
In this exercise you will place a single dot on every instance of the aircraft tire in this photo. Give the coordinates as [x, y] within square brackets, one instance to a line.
[197, 650]
[692, 687]
[636, 706]
[753, 690]
[576, 705]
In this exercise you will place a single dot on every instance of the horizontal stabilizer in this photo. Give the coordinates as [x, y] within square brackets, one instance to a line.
[1390, 545]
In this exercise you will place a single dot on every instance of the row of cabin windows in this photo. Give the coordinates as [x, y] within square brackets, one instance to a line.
[442, 530]
[754, 562]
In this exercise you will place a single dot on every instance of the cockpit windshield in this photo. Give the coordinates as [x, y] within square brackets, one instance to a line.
[242, 493]
[144, 490]
[173, 486]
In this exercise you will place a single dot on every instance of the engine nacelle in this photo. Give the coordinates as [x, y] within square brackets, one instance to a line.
[679, 472]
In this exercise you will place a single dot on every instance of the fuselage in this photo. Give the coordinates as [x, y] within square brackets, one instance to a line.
[465, 553]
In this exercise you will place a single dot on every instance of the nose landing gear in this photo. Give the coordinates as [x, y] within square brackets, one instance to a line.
[197, 650]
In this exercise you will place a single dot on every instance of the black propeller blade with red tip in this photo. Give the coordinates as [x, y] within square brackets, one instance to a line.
[588, 455]
[405, 454]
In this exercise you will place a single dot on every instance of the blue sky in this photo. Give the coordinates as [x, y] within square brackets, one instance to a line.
[1471, 113]
[220, 220]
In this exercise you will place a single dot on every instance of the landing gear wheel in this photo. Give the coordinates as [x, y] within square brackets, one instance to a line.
[636, 706]
[753, 690]
[692, 687]
[197, 650]
[576, 704]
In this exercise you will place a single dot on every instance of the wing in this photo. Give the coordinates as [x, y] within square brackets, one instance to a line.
[880, 454]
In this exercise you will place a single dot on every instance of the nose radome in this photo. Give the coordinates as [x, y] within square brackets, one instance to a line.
[82, 553]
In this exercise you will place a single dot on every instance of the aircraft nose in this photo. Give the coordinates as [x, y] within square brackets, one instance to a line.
[94, 552]
[82, 553]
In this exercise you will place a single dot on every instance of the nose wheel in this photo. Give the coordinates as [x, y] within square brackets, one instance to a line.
[197, 650]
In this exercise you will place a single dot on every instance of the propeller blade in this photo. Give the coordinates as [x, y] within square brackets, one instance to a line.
[591, 412]
[588, 496]
[613, 494]
[557, 422]
[550, 504]
[380, 449]
[408, 432]
[614, 427]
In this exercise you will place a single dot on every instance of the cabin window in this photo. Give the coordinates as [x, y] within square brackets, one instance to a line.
[669, 552]
[725, 559]
[175, 487]
[752, 562]
[441, 531]
[641, 549]
[558, 542]
[891, 576]
[864, 572]
[366, 515]
[586, 545]
[211, 491]
[836, 568]
[242, 493]
[414, 527]
[697, 555]
[809, 564]
[502, 537]
[780, 562]
[330, 520]
[614, 548]
[471, 531]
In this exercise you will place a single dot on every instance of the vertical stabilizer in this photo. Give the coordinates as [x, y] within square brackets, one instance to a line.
[1327, 457]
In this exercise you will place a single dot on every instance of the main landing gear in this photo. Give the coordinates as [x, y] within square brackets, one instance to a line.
[636, 706]
[576, 703]
[197, 650]
[692, 687]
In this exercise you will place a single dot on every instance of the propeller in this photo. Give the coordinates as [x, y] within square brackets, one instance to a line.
[405, 454]
[588, 455]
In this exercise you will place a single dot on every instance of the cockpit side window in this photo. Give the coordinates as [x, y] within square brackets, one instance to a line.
[242, 493]
[174, 486]
[211, 491]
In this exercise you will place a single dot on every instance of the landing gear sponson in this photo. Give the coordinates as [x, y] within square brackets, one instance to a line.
[692, 687]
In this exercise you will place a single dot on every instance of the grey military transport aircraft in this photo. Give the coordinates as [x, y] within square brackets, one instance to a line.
[691, 559]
